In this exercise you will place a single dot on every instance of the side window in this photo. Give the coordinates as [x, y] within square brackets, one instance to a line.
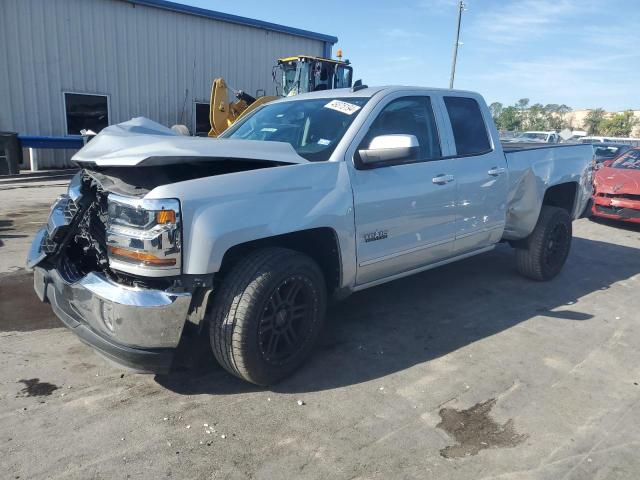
[469, 130]
[410, 116]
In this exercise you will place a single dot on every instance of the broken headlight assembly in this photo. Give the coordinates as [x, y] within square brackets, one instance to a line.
[144, 236]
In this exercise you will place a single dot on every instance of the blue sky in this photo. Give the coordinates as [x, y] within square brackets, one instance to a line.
[584, 53]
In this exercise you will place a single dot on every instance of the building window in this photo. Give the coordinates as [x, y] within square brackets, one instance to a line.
[85, 112]
[202, 119]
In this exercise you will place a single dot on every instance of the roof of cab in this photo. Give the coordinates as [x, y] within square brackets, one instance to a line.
[369, 92]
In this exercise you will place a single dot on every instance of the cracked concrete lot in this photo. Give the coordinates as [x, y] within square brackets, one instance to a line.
[465, 372]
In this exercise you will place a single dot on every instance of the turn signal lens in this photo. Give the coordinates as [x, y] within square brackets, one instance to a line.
[165, 216]
[142, 257]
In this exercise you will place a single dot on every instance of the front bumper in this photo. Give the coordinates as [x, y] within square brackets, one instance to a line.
[138, 328]
[617, 208]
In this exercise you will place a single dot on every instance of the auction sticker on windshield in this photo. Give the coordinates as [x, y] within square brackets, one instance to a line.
[342, 107]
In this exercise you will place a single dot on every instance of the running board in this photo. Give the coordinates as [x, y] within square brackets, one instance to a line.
[397, 276]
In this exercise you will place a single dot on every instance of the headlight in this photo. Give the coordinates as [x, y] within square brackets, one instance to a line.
[143, 236]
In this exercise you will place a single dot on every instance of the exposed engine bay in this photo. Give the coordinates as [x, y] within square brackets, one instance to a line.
[80, 246]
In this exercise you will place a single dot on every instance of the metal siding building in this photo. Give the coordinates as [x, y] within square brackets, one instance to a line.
[149, 57]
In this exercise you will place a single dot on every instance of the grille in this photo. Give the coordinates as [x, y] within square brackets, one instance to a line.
[48, 246]
[629, 196]
[623, 213]
[608, 210]
[70, 210]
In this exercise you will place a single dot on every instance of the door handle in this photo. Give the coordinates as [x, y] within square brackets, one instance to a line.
[495, 171]
[442, 179]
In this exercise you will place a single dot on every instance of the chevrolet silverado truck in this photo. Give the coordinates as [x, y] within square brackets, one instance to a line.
[246, 237]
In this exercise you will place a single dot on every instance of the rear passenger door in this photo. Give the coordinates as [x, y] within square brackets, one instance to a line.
[481, 175]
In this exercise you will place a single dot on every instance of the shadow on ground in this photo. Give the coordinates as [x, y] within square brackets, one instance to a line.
[630, 226]
[20, 309]
[6, 227]
[411, 321]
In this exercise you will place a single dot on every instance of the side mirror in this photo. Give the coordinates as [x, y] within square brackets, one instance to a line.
[389, 148]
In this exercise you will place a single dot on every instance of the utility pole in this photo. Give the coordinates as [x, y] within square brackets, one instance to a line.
[455, 45]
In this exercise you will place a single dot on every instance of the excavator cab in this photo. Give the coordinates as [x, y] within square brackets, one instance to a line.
[304, 73]
[299, 74]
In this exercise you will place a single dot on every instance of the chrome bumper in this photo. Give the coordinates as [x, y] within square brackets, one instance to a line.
[136, 327]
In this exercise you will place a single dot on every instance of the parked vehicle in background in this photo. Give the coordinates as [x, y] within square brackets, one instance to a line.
[575, 136]
[307, 198]
[617, 188]
[535, 137]
[634, 142]
[609, 151]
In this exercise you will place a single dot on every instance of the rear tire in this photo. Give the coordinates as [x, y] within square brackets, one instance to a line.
[543, 254]
[267, 315]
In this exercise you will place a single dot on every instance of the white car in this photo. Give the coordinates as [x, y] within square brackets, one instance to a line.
[535, 137]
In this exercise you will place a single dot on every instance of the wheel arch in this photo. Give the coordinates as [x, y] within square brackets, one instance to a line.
[321, 244]
[563, 195]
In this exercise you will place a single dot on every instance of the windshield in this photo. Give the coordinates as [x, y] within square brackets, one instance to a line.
[608, 151]
[295, 78]
[629, 160]
[312, 127]
[288, 79]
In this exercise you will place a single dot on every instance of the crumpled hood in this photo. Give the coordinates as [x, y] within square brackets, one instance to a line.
[618, 181]
[141, 141]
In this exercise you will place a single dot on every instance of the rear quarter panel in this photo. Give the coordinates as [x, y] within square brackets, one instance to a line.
[532, 171]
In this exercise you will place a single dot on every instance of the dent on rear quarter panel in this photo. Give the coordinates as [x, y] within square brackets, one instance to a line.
[523, 205]
[227, 210]
[532, 172]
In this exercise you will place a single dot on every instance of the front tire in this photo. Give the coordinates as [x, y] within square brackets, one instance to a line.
[267, 315]
[545, 251]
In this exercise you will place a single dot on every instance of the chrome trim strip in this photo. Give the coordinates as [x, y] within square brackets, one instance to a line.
[145, 203]
[57, 218]
[36, 255]
[397, 276]
[75, 187]
[111, 291]
[404, 252]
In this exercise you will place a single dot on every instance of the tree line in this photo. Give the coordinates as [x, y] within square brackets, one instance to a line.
[522, 116]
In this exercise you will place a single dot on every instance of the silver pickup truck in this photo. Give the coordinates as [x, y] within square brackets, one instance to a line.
[307, 199]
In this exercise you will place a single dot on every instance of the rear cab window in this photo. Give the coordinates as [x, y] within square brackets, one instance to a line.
[469, 130]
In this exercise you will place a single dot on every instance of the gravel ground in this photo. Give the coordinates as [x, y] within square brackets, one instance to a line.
[467, 371]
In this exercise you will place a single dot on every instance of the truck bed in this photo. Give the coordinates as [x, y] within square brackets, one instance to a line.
[533, 168]
[519, 146]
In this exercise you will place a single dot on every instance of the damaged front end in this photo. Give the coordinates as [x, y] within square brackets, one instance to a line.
[110, 265]
[614, 206]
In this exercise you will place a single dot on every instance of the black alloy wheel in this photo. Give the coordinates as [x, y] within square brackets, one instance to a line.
[557, 245]
[285, 323]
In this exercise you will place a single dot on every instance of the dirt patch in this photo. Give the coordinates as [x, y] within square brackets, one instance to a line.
[20, 309]
[475, 430]
[33, 387]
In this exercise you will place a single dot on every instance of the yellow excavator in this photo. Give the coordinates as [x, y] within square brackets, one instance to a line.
[297, 74]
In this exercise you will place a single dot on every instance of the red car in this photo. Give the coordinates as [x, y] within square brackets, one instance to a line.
[617, 188]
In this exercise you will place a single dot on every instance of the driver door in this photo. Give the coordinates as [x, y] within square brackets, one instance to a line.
[404, 212]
